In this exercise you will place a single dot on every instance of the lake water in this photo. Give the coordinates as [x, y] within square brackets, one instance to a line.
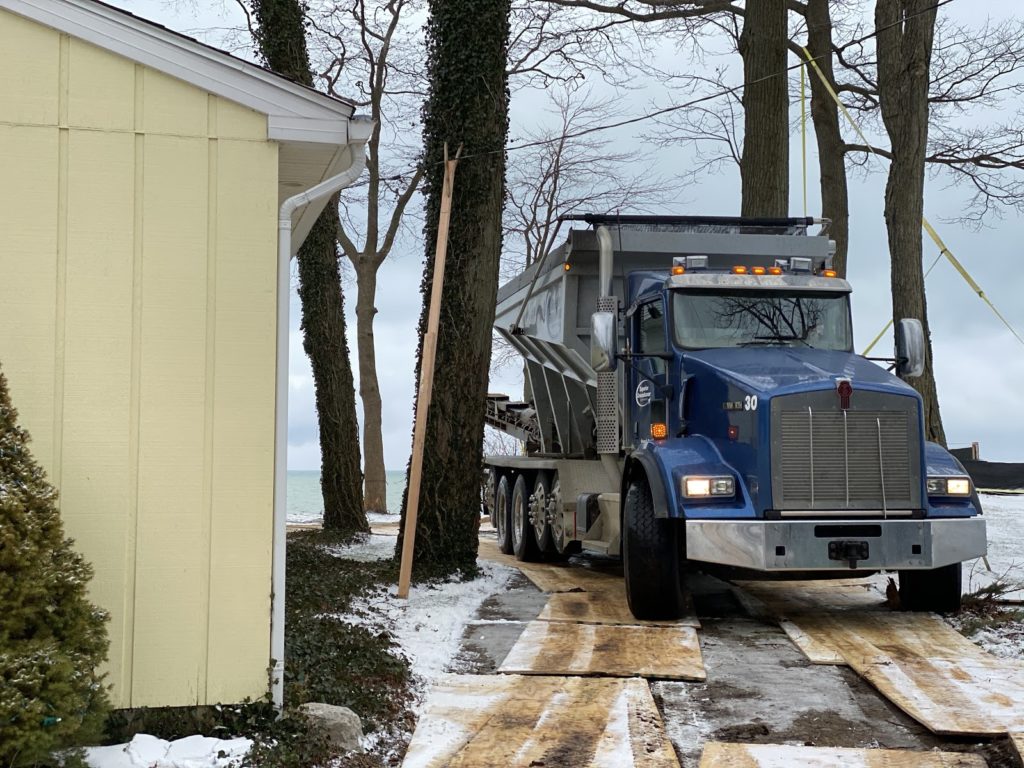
[306, 503]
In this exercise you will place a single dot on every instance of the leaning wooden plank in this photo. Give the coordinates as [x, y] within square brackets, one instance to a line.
[719, 755]
[508, 720]
[564, 648]
[606, 606]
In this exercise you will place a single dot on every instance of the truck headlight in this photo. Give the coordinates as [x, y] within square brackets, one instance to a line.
[701, 487]
[949, 486]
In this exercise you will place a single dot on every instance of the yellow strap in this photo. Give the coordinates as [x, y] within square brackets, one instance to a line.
[943, 250]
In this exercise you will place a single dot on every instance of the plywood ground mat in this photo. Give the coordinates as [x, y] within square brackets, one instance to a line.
[564, 648]
[1018, 743]
[551, 577]
[719, 755]
[916, 660]
[474, 721]
[606, 606]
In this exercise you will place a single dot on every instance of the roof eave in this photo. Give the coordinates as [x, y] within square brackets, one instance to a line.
[295, 113]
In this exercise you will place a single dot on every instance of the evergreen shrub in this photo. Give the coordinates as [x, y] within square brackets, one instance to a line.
[52, 640]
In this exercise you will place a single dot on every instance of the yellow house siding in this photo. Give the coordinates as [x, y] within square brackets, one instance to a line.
[137, 294]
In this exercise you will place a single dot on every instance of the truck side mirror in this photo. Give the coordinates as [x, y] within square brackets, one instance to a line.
[909, 348]
[603, 336]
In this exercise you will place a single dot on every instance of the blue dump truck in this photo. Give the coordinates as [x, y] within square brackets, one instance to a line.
[693, 400]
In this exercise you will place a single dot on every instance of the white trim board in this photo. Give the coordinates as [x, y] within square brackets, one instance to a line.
[295, 113]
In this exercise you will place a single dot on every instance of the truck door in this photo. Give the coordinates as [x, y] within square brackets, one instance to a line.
[647, 375]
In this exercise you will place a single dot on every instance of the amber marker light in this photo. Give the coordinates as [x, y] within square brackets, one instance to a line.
[758, 270]
[774, 270]
[566, 266]
[739, 270]
[659, 431]
[829, 273]
[678, 270]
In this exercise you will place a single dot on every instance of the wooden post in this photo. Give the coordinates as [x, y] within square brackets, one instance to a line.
[426, 376]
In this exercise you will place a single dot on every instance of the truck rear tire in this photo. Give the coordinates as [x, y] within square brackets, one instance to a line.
[501, 517]
[524, 544]
[650, 555]
[541, 526]
[938, 589]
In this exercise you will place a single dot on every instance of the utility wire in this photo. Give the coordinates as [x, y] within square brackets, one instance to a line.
[709, 97]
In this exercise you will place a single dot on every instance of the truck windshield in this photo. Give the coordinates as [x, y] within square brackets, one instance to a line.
[712, 318]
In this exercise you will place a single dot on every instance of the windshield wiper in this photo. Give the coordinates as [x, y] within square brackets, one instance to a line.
[775, 340]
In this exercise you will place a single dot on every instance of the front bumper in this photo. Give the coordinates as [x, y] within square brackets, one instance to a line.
[803, 545]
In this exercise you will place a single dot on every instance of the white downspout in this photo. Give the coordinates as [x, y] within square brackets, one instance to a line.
[284, 254]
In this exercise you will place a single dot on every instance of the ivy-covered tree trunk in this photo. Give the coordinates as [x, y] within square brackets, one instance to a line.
[467, 105]
[835, 202]
[906, 29]
[282, 42]
[764, 166]
[52, 640]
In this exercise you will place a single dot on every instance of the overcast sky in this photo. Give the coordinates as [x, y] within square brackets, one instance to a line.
[979, 365]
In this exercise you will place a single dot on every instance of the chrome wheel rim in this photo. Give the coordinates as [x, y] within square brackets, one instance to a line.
[539, 509]
[557, 516]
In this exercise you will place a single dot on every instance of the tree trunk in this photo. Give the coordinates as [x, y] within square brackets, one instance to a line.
[905, 32]
[764, 167]
[375, 486]
[467, 104]
[835, 203]
[281, 39]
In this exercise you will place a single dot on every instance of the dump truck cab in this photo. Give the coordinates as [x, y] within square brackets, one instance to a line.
[746, 432]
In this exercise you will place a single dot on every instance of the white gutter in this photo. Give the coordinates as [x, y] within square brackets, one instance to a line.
[284, 254]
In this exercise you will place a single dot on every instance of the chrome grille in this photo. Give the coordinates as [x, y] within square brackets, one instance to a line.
[828, 459]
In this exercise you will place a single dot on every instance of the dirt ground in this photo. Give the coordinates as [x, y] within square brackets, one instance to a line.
[759, 689]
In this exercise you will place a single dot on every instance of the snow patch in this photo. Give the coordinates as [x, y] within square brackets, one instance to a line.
[429, 625]
[367, 548]
[145, 751]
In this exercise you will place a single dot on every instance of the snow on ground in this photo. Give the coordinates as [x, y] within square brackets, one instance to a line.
[368, 547]
[429, 625]
[1005, 518]
[146, 751]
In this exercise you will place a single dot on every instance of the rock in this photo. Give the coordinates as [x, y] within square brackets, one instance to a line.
[341, 724]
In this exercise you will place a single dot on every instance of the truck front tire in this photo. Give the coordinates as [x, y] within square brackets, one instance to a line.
[650, 553]
[938, 589]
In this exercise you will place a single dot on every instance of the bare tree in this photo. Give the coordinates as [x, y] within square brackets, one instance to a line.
[561, 173]
[367, 48]
[280, 37]
[906, 31]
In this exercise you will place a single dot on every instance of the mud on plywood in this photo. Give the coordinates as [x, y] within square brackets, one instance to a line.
[719, 755]
[564, 648]
[915, 660]
[551, 577]
[606, 606]
[471, 721]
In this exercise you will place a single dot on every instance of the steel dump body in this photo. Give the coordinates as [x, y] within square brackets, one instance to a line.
[545, 311]
[668, 405]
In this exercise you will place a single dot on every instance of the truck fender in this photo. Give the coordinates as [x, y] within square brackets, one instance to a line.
[645, 462]
[939, 461]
